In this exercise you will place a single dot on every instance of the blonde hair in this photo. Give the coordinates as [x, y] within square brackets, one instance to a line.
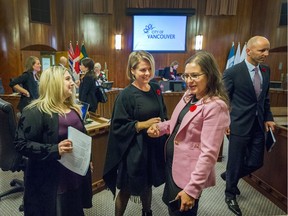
[29, 63]
[51, 93]
[174, 63]
[135, 58]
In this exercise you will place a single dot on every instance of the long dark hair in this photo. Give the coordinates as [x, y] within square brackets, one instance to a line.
[89, 63]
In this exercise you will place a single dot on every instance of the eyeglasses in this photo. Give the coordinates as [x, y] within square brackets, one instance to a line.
[185, 76]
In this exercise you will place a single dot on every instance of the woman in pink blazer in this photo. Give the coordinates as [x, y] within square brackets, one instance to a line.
[196, 130]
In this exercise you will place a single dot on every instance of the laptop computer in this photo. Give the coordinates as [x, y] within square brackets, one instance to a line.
[85, 110]
[107, 85]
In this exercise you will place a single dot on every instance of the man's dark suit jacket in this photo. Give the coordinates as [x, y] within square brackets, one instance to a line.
[243, 100]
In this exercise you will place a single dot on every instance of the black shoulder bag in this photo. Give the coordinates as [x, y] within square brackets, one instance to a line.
[101, 94]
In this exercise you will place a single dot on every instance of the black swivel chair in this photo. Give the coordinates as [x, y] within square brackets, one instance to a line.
[10, 159]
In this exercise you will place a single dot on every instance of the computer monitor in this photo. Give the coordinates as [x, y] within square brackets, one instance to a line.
[177, 85]
[165, 84]
[107, 85]
[84, 109]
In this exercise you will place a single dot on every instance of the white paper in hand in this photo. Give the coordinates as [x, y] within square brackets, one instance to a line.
[79, 160]
[270, 140]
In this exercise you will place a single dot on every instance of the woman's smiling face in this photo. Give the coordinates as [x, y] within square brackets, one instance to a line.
[197, 82]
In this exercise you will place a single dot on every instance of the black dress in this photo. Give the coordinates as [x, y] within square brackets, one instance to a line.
[134, 160]
[148, 108]
[171, 189]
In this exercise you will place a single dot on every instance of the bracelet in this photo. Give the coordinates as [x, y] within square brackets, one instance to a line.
[136, 127]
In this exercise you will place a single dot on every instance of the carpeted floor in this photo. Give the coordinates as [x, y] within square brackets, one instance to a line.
[212, 203]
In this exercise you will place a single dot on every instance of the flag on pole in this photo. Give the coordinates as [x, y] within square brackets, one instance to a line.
[71, 56]
[243, 53]
[231, 56]
[237, 55]
[83, 53]
[76, 59]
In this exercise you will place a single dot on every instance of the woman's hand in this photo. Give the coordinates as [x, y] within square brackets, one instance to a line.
[65, 146]
[146, 124]
[26, 94]
[153, 131]
[187, 202]
[91, 167]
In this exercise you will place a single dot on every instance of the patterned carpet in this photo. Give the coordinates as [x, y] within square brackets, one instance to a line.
[252, 203]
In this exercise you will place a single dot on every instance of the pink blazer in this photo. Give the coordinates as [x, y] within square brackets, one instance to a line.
[197, 143]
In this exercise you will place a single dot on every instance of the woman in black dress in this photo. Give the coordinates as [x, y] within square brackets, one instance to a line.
[134, 161]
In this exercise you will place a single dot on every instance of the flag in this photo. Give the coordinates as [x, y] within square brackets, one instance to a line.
[231, 56]
[243, 53]
[71, 56]
[83, 53]
[76, 59]
[237, 55]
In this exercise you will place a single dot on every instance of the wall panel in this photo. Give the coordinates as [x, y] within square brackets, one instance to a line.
[70, 22]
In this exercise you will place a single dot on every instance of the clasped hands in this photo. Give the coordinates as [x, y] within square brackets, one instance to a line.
[153, 131]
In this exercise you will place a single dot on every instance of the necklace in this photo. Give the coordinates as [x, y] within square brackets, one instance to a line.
[193, 100]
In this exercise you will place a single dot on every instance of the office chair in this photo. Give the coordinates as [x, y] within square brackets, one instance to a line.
[10, 159]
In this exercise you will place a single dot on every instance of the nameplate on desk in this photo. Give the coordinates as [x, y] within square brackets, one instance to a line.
[91, 123]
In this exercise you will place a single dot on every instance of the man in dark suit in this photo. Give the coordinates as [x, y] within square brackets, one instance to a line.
[63, 61]
[247, 84]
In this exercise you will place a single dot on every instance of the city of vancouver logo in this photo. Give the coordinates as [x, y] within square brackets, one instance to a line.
[153, 33]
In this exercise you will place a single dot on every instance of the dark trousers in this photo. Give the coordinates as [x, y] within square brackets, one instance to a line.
[190, 212]
[245, 155]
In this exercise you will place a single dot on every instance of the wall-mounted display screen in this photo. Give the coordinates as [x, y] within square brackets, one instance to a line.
[159, 33]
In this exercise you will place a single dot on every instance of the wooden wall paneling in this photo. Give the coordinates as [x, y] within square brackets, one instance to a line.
[67, 24]
[10, 44]
[87, 6]
[71, 26]
[266, 17]
[273, 60]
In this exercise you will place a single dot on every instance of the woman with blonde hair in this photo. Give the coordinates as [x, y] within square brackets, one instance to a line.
[134, 161]
[50, 188]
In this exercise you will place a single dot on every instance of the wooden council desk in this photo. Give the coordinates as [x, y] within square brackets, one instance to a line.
[271, 179]
[98, 130]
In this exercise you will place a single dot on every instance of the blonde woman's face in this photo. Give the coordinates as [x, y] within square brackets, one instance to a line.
[37, 66]
[142, 73]
[68, 85]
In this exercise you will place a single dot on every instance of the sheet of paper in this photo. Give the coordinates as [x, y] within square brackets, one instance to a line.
[79, 160]
[270, 140]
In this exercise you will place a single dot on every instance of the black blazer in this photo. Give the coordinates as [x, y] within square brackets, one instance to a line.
[28, 82]
[167, 75]
[243, 100]
[87, 91]
[37, 138]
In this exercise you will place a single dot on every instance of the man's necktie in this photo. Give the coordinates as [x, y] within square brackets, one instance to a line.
[257, 82]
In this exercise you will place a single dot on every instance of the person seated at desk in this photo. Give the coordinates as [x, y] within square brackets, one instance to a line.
[170, 73]
[101, 77]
